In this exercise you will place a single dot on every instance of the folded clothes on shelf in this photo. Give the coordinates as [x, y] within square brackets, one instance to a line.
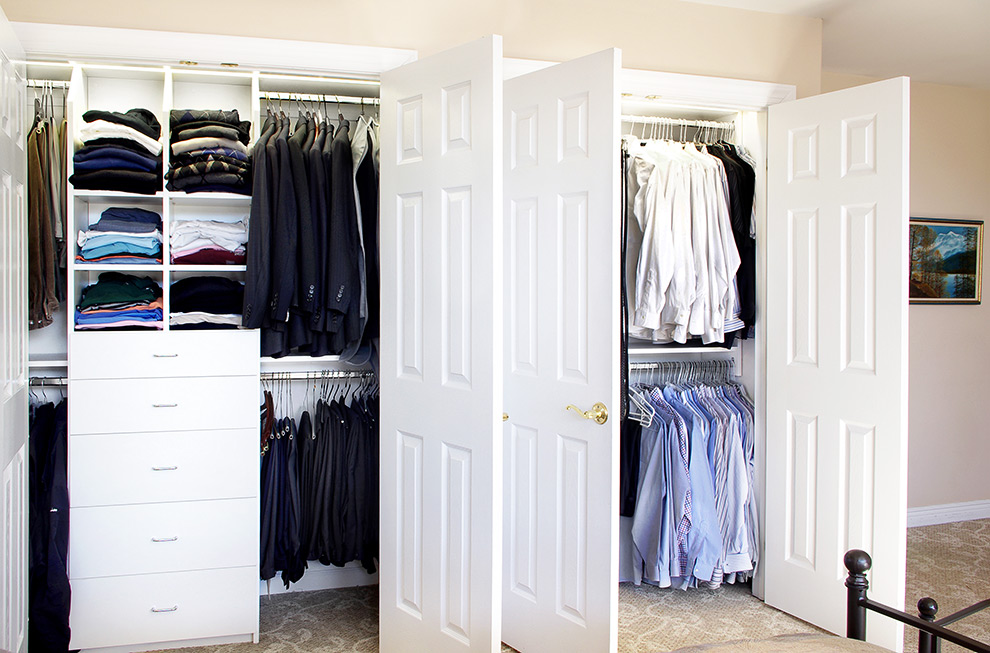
[122, 235]
[120, 300]
[122, 151]
[208, 302]
[209, 152]
[208, 242]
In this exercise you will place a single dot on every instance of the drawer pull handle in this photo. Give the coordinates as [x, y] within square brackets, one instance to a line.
[165, 539]
[165, 405]
[167, 468]
[172, 609]
[165, 355]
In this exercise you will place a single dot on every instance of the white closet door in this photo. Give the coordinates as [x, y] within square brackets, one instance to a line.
[13, 348]
[560, 545]
[837, 300]
[441, 371]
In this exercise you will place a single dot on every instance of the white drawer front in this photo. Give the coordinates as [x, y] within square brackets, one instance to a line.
[130, 610]
[159, 467]
[146, 405]
[162, 537]
[123, 355]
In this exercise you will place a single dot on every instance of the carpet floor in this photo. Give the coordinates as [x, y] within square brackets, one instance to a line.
[949, 562]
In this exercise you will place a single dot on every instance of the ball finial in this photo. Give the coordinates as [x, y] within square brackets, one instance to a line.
[928, 608]
[857, 561]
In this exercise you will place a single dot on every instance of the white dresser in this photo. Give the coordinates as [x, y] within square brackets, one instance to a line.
[163, 486]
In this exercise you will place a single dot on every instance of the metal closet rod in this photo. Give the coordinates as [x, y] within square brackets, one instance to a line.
[672, 365]
[320, 97]
[661, 120]
[46, 83]
[317, 375]
[48, 381]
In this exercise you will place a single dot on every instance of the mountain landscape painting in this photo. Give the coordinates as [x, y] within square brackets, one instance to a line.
[946, 261]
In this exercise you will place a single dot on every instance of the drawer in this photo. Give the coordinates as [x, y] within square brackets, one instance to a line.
[124, 355]
[159, 467]
[162, 537]
[129, 610]
[146, 405]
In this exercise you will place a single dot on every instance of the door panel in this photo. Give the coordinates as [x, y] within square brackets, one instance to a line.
[561, 326]
[837, 301]
[13, 348]
[441, 371]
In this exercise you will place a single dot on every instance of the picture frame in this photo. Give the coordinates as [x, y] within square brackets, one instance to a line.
[946, 261]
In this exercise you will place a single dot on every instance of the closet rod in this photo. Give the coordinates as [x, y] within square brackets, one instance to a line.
[657, 365]
[48, 381]
[727, 366]
[661, 120]
[317, 375]
[44, 83]
[319, 97]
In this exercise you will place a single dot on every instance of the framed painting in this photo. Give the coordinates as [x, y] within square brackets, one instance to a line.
[946, 261]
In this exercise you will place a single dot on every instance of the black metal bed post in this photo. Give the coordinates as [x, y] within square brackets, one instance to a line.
[928, 643]
[858, 563]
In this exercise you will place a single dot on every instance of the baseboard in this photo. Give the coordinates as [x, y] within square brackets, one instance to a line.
[321, 577]
[947, 513]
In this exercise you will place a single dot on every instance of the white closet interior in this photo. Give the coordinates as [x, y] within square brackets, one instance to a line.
[164, 423]
[417, 581]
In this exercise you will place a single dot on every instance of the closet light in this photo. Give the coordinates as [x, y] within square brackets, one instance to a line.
[327, 80]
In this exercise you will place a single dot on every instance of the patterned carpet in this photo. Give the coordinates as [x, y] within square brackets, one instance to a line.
[650, 619]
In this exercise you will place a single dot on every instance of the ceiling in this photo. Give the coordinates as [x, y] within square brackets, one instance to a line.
[943, 41]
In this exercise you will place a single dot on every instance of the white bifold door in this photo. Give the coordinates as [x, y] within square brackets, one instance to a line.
[14, 546]
[441, 363]
[560, 537]
[837, 301]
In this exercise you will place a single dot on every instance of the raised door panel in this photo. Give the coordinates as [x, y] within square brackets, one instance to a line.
[837, 362]
[441, 352]
[560, 538]
[13, 346]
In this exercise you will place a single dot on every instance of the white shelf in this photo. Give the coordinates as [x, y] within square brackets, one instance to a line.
[179, 197]
[663, 350]
[47, 364]
[118, 267]
[296, 363]
[179, 267]
[81, 193]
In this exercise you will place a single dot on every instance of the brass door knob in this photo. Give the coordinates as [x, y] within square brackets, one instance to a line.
[598, 412]
[505, 417]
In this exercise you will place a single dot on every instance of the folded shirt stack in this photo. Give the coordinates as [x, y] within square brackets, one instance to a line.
[209, 152]
[119, 300]
[121, 151]
[206, 303]
[123, 235]
[208, 242]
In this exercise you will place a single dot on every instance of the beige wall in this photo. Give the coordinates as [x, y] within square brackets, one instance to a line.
[950, 348]
[653, 34]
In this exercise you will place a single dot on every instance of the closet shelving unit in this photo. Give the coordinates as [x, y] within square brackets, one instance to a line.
[199, 580]
[163, 454]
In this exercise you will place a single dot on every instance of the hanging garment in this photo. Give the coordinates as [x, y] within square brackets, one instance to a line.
[694, 523]
[308, 290]
[319, 485]
[42, 247]
[694, 252]
[49, 593]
